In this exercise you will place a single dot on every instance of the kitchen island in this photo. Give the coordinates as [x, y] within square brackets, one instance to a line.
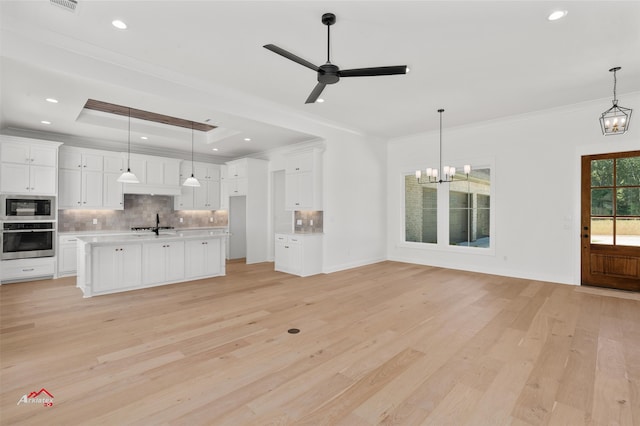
[116, 263]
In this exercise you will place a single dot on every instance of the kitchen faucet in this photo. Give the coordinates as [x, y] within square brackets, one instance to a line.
[157, 228]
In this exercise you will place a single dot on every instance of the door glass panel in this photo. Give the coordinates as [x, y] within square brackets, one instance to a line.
[628, 202]
[602, 202]
[627, 171]
[628, 231]
[602, 172]
[601, 230]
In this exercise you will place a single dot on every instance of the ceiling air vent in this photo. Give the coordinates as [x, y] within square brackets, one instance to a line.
[69, 5]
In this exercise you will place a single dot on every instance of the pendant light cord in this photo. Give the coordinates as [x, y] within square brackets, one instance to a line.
[615, 83]
[192, 149]
[129, 143]
[440, 165]
[328, 43]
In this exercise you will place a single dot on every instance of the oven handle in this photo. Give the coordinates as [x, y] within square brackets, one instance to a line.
[15, 231]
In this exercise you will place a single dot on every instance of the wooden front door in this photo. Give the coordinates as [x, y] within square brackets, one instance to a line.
[610, 225]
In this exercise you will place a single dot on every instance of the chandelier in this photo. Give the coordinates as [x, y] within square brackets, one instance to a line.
[441, 174]
[615, 120]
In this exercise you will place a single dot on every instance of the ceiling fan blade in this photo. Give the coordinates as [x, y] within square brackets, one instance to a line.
[370, 72]
[280, 51]
[315, 93]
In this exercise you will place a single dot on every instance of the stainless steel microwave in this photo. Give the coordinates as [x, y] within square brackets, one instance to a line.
[27, 207]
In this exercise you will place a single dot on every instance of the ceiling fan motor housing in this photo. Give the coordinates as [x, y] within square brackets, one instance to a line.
[328, 74]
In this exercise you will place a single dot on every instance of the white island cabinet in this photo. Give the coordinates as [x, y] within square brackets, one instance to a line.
[115, 263]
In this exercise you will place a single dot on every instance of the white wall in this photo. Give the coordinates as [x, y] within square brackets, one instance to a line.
[536, 178]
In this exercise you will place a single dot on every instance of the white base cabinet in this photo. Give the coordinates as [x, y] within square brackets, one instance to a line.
[298, 254]
[27, 269]
[203, 258]
[162, 262]
[111, 264]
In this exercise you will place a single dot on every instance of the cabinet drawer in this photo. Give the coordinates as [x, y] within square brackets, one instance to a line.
[68, 239]
[20, 270]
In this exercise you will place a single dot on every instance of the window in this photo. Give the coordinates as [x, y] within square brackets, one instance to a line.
[615, 201]
[449, 214]
[421, 211]
[469, 210]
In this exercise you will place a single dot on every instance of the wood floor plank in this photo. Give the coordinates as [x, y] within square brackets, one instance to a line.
[389, 343]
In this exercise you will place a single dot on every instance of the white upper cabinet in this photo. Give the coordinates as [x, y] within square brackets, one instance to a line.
[203, 197]
[80, 179]
[157, 175]
[303, 180]
[28, 166]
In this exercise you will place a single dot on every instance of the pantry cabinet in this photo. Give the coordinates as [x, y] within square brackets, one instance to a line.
[303, 180]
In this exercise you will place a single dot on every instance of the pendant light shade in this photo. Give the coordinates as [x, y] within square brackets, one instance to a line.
[615, 120]
[191, 181]
[128, 176]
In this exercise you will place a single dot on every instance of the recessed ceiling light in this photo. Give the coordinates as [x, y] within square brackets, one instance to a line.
[119, 24]
[45, 122]
[215, 149]
[144, 138]
[558, 14]
[247, 139]
[320, 100]
[53, 101]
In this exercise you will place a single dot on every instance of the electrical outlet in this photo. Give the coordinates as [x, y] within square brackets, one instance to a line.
[299, 222]
[181, 220]
[210, 219]
[95, 221]
[311, 222]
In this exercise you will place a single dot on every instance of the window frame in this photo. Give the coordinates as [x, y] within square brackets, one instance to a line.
[443, 212]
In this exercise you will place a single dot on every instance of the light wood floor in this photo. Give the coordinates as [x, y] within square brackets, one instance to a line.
[390, 343]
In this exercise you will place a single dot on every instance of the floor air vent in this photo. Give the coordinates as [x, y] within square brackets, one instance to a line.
[69, 5]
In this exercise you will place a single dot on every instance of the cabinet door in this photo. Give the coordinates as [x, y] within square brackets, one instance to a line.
[154, 264]
[43, 156]
[43, 180]
[282, 262]
[296, 163]
[105, 267]
[14, 177]
[112, 196]
[295, 256]
[174, 261]
[184, 201]
[131, 265]
[70, 184]
[195, 259]
[212, 256]
[92, 162]
[171, 173]
[70, 160]
[241, 186]
[67, 259]
[15, 153]
[92, 188]
[200, 196]
[138, 168]
[305, 190]
[113, 164]
[200, 171]
[292, 192]
[237, 170]
[213, 195]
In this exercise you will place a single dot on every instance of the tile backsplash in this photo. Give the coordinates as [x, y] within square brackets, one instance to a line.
[139, 210]
[310, 221]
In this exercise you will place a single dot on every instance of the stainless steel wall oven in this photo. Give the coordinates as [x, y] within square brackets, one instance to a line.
[21, 240]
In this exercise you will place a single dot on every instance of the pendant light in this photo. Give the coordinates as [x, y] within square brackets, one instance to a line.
[128, 177]
[615, 120]
[191, 181]
[441, 174]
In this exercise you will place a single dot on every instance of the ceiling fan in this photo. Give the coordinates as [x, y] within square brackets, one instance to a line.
[330, 73]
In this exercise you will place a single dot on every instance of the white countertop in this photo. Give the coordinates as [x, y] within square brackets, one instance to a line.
[148, 236]
[129, 232]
